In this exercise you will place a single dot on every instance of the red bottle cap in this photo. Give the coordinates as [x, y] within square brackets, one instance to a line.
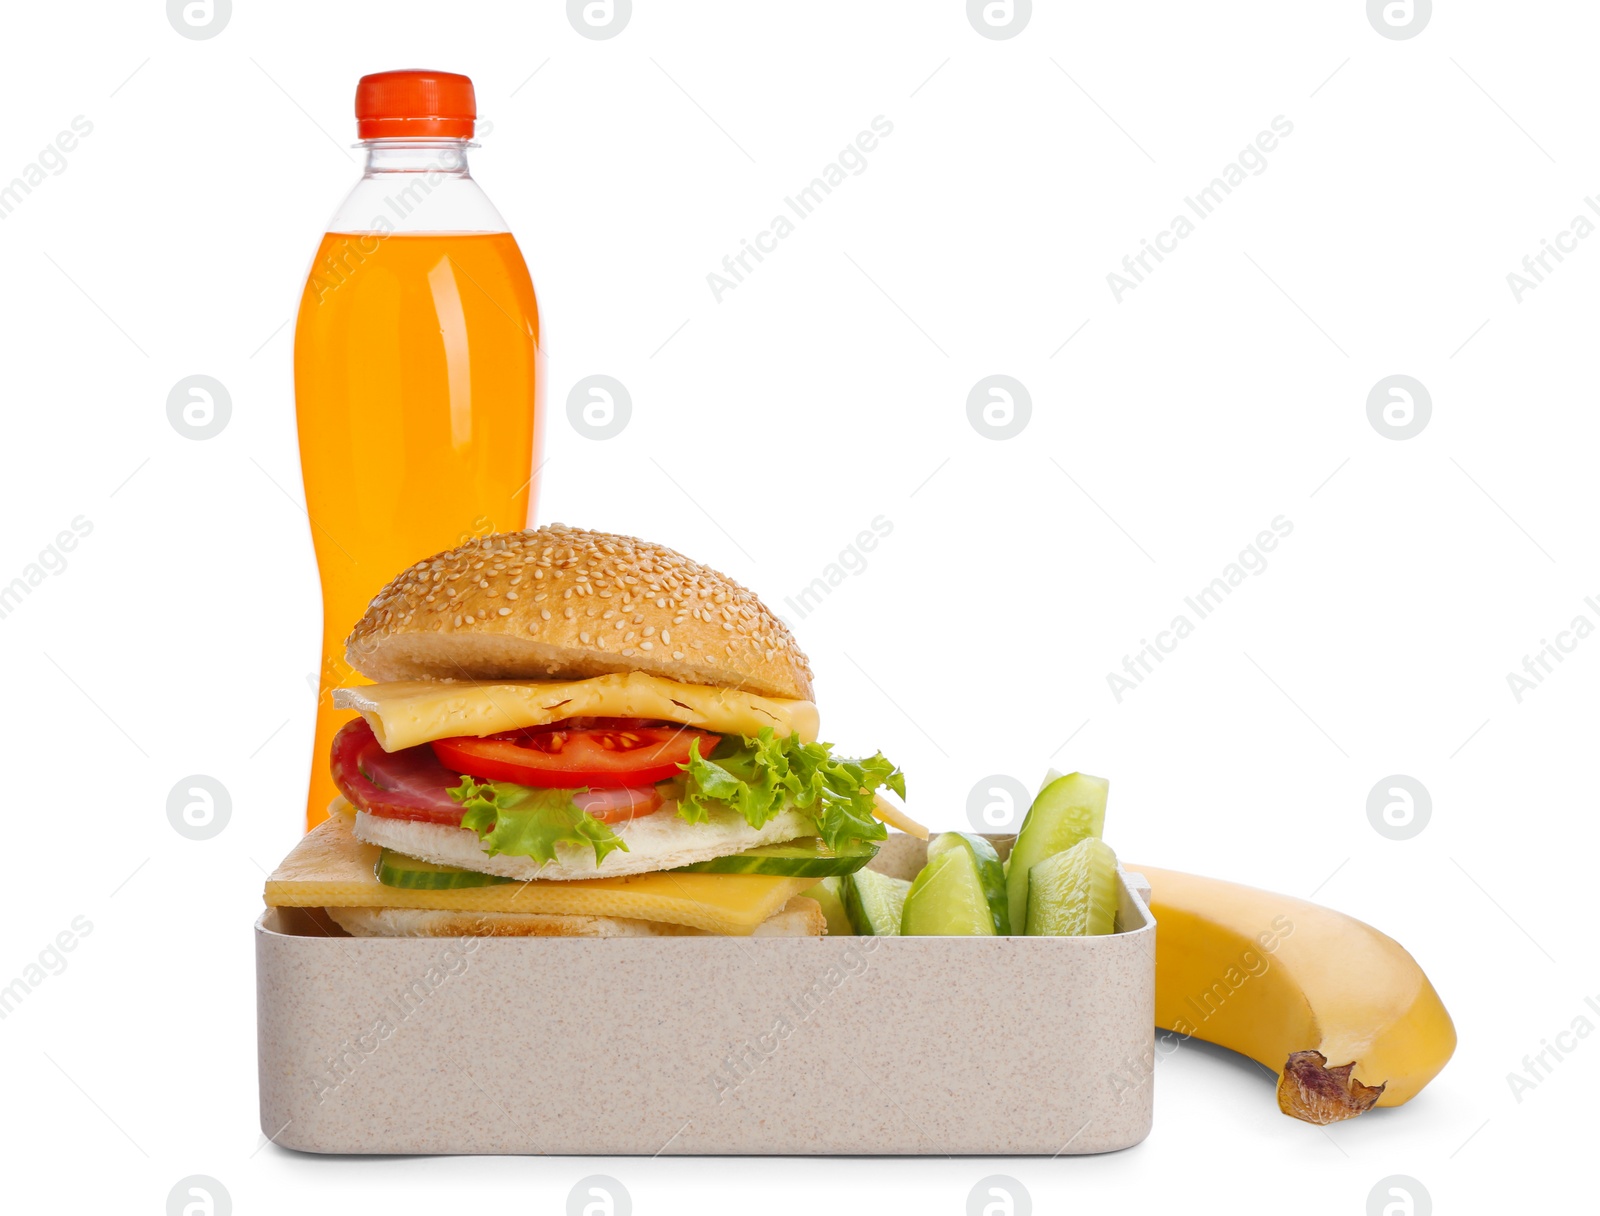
[415, 105]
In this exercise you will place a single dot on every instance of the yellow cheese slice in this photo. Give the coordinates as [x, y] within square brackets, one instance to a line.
[887, 811]
[404, 713]
[330, 868]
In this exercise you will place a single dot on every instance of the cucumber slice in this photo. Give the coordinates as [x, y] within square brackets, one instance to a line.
[873, 902]
[397, 870]
[1069, 809]
[991, 874]
[806, 857]
[1074, 894]
[828, 894]
[947, 900]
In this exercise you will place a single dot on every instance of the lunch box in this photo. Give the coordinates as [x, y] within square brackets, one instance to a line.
[708, 1045]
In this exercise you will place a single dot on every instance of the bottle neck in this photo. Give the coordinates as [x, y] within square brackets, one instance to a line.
[441, 156]
[416, 185]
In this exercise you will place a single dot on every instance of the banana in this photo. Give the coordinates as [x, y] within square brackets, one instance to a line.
[1296, 986]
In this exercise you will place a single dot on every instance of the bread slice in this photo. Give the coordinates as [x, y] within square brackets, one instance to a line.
[800, 917]
[661, 841]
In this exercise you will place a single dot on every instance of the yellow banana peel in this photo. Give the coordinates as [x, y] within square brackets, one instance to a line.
[1342, 1013]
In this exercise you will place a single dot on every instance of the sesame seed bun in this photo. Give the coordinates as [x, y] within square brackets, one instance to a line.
[561, 603]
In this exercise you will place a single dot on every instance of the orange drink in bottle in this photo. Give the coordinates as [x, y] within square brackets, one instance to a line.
[418, 368]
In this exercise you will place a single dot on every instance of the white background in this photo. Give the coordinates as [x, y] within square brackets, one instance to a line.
[830, 388]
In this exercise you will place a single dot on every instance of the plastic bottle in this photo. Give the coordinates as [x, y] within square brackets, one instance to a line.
[418, 368]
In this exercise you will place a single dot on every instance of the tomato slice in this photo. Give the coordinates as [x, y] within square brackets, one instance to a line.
[602, 754]
[413, 784]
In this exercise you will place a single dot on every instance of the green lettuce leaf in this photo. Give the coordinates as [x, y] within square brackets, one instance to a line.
[759, 777]
[527, 822]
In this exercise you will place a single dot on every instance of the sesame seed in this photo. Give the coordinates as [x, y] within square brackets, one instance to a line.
[675, 588]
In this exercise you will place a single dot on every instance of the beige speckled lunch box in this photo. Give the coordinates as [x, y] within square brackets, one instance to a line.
[709, 1045]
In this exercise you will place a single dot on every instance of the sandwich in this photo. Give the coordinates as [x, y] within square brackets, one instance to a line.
[573, 733]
